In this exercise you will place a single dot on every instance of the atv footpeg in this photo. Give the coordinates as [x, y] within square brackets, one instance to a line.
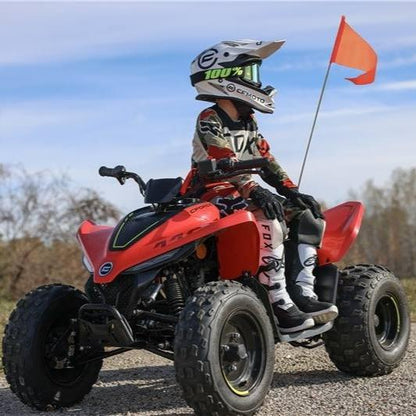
[103, 325]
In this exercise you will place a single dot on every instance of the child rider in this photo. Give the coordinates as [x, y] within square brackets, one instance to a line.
[227, 74]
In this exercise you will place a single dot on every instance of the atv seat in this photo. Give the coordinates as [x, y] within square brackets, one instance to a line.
[162, 191]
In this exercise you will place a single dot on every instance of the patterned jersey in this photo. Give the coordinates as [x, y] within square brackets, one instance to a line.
[218, 136]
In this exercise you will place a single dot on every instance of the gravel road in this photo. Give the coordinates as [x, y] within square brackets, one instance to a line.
[305, 382]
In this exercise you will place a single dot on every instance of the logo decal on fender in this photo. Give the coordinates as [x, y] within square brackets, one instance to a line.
[105, 269]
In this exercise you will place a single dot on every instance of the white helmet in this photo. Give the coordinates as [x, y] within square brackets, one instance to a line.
[230, 70]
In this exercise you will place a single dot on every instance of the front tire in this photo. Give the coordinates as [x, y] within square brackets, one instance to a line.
[371, 333]
[37, 345]
[224, 350]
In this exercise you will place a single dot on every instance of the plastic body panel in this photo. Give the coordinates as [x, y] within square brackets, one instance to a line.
[238, 249]
[238, 239]
[342, 226]
[237, 233]
[136, 225]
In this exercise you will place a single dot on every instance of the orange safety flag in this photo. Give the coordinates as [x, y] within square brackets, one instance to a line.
[351, 50]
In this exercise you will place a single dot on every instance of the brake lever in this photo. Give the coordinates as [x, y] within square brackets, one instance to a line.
[121, 179]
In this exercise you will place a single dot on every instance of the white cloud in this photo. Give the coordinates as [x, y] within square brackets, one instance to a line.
[300, 65]
[398, 86]
[338, 113]
[400, 62]
[18, 121]
[346, 151]
[42, 32]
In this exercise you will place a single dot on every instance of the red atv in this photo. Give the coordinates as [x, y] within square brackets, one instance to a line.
[178, 279]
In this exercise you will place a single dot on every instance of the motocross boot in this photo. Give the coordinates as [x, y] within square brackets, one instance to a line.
[301, 260]
[272, 275]
[291, 319]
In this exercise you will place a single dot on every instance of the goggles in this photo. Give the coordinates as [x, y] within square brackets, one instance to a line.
[252, 74]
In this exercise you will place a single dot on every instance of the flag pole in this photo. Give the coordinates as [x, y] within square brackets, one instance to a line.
[314, 123]
[331, 60]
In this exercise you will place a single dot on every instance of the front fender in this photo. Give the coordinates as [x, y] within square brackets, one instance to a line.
[238, 246]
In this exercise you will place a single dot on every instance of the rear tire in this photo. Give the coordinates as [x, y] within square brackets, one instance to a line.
[224, 350]
[371, 333]
[36, 344]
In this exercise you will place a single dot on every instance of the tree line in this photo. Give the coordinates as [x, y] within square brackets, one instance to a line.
[39, 217]
[388, 232]
[40, 214]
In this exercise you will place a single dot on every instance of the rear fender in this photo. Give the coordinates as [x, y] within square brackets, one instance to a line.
[342, 226]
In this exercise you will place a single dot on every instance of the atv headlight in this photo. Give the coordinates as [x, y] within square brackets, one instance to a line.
[87, 264]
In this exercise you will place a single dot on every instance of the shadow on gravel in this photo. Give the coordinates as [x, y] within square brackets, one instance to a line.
[151, 388]
[308, 378]
[127, 391]
[139, 373]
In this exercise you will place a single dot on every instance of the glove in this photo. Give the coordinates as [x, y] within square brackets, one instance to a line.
[268, 202]
[305, 201]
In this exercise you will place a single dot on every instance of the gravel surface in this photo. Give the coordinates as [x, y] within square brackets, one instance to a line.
[305, 383]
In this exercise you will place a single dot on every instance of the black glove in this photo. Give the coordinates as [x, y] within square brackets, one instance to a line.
[268, 202]
[305, 201]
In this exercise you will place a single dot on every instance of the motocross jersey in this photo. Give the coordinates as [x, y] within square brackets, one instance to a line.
[218, 136]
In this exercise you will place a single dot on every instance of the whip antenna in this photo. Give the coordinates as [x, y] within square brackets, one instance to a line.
[314, 123]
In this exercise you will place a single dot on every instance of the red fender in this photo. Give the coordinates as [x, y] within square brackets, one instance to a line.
[342, 225]
[238, 247]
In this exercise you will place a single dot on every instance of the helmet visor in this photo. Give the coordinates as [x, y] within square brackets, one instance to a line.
[252, 74]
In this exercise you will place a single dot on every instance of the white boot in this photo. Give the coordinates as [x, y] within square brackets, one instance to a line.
[272, 275]
[302, 258]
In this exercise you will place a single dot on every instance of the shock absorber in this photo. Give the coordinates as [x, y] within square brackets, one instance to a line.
[174, 294]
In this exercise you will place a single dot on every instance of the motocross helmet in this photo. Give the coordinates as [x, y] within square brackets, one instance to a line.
[231, 69]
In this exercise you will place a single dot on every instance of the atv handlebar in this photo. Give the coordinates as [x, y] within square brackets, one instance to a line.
[226, 168]
[209, 170]
[231, 165]
[117, 172]
[120, 173]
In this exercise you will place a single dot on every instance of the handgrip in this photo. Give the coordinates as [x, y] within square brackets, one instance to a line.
[231, 165]
[112, 172]
[260, 162]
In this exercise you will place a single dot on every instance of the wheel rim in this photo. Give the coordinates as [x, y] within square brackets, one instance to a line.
[59, 353]
[242, 352]
[387, 321]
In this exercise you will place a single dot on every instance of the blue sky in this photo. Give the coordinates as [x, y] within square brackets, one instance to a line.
[90, 84]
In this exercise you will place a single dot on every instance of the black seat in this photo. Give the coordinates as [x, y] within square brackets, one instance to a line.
[162, 191]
